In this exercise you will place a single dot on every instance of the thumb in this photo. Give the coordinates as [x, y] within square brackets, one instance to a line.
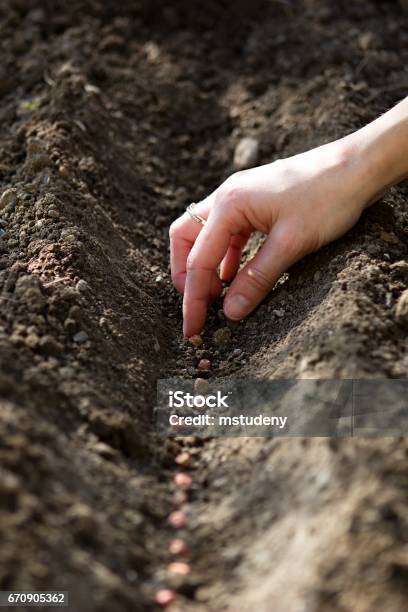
[280, 250]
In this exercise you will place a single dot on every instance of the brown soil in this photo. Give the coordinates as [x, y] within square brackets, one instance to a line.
[113, 116]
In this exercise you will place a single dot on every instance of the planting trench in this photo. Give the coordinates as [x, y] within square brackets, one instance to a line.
[112, 120]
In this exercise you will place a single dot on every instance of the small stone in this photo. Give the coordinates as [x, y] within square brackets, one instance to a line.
[279, 312]
[180, 498]
[177, 547]
[317, 276]
[183, 459]
[401, 268]
[196, 340]
[401, 312]
[246, 153]
[177, 519]
[32, 341]
[183, 480]
[222, 336]
[82, 286]
[204, 364]
[178, 567]
[8, 197]
[104, 450]
[201, 386]
[80, 337]
[165, 597]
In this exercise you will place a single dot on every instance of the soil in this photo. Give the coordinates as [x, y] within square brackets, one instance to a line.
[113, 116]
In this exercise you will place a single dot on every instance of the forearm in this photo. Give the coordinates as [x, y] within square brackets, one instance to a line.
[382, 148]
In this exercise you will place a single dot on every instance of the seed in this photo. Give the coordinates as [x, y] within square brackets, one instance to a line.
[63, 171]
[183, 459]
[165, 597]
[177, 547]
[196, 340]
[178, 567]
[177, 519]
[183, 480]
[179, 498]
[204, 364]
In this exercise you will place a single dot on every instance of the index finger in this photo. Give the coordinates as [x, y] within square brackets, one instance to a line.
[183, 234]
[206, 254]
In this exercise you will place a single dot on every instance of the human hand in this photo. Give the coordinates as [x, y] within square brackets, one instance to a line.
[300, 203]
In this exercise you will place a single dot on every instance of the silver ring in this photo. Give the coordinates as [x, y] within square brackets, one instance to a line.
[196, 218]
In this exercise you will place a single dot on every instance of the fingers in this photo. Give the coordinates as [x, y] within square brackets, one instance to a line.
[183, 234]
[208, 251]
[279, 251]
[231, 261]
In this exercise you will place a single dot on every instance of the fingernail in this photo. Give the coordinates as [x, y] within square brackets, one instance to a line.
[236, 306]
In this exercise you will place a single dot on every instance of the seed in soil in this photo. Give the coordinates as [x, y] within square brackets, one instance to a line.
[177, 547]
[183, 459]
[183, 480]
[177, 519]
[196, 340]
[178, 567]
[180, 498]
[165, 597]
[201, 386]
[204, 364]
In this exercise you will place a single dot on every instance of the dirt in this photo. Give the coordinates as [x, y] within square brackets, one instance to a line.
[113, 117]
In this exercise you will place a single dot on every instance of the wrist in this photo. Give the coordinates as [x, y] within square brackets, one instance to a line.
[380, 152]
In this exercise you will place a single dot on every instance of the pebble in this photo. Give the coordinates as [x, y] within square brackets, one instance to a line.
[201, 386]
[165, 597]
[177, 547]
[401, 312]
[204, 364]
[400, 267]
[222, 336]
[8, 197]
[246, 153]
[177, 519]
[80, 337]
[183, 480]
[180, 498]
[196, 340]
[278, 312]
[82, 286]
[183, 459]
[179, 567]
